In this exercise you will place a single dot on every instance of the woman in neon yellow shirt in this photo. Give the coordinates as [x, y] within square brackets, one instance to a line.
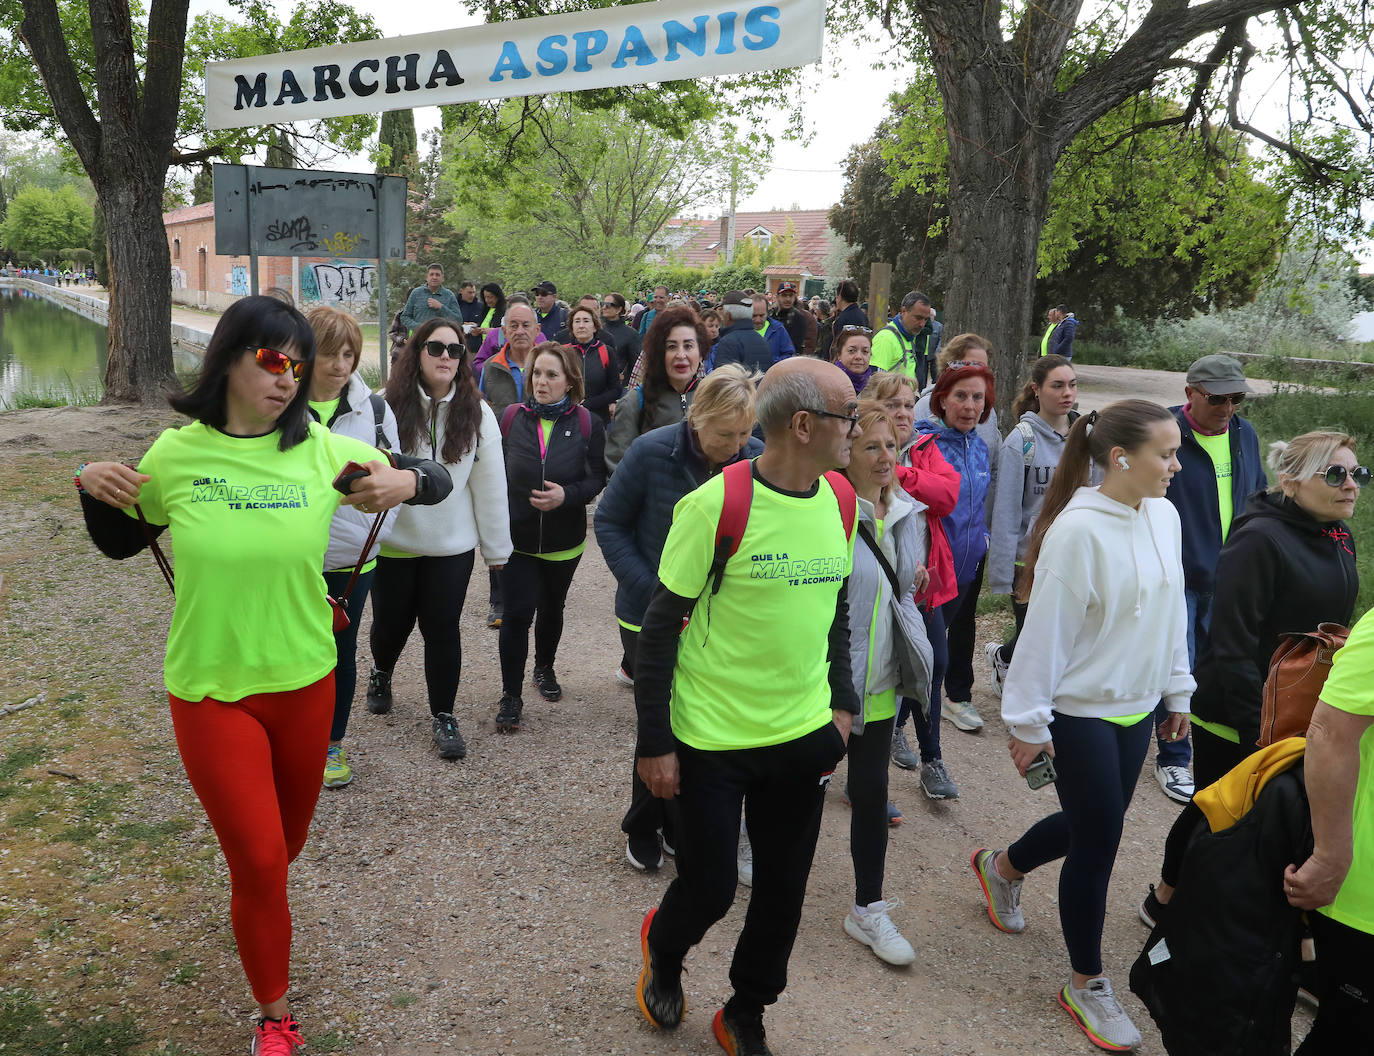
[245, 490]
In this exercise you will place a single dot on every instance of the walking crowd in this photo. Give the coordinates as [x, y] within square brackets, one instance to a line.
[800, 511]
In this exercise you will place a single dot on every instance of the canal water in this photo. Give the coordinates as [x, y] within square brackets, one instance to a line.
[46, 350]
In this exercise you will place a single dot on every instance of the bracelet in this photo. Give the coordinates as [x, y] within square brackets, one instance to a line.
[77, 479]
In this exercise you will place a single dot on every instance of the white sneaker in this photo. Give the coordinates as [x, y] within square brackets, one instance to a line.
[1100, 1016]
[963, 714]
[744, 860]
[876, 931]
[623, 677]
[1176, 782]
[997, 667]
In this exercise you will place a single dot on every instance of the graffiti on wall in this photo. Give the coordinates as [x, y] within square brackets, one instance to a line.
[238, 281]
[339, 285]
[178, 278]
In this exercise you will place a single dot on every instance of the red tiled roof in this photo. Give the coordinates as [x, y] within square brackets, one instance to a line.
[189, 212]
[811, 226]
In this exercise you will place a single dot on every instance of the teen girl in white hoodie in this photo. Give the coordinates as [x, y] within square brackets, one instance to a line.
[1104, 639]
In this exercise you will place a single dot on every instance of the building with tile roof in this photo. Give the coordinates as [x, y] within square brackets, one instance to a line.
[811, 230]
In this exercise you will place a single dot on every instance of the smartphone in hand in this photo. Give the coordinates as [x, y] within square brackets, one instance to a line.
[343, 483]
[1041, 772]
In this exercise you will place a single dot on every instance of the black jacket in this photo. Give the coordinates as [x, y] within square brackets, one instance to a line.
[1229, 980]
[851, 316]
[578, 464]
[601, 384]
[1279, 571]
[622, 339]
[741, 343]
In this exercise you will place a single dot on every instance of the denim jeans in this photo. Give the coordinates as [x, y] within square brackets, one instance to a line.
[1179, 753]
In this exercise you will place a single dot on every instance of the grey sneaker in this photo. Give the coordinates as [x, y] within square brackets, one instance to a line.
[876, 931]
[1100, 1016]
[997, 667]
[1004, 896]
[447, 739]
[963, 714]
[902, 754]
[936, 782]
[744, 862]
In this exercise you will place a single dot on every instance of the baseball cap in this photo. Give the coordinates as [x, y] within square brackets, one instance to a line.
[787, 286]
[737, 297]
[545, 287]
[1219, 374]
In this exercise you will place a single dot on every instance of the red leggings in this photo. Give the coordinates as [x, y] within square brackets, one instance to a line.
[256, 766]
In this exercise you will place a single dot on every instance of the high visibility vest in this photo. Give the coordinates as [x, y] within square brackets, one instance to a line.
[1045, 343]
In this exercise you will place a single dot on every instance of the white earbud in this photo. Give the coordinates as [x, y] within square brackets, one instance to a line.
[1121, 461]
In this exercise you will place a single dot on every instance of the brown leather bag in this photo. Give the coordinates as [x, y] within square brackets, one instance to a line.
[1297, 672]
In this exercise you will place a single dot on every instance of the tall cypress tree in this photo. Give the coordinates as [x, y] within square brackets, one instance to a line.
[398, 134]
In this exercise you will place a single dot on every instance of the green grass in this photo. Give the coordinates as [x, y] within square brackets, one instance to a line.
[20, 759]
[27, 1030]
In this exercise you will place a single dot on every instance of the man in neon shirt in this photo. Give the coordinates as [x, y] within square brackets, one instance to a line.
[752, 703]
[1221, 467]
[903, 345]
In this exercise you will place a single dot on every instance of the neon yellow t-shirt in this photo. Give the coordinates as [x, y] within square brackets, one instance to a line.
[892, 352]
[1347, 689]
[325, 409]
[752, 663]
[249, 526]
[1218, 449]
[546, 428]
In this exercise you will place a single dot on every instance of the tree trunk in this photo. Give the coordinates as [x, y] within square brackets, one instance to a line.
[139, 364]
[999, 183]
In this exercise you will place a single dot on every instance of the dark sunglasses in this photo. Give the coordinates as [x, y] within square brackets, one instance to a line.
[275, 362]
[610, 304]
[852, 419]
[438, 348]
[1335, 475]
[852, 328]
[1234, 398]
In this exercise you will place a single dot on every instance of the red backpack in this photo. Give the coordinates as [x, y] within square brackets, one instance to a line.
[738, 478]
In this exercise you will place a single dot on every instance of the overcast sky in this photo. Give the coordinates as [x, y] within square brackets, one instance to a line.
[841, 104]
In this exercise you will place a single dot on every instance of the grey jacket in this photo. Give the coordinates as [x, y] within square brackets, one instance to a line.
[906, 665]
[668, 409]
[1024, 468]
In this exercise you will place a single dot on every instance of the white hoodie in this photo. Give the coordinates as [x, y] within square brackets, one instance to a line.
[1106, 632]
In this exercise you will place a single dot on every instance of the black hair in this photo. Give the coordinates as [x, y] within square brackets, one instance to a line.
[250, 323]
[500, 306]
[849, 290]
[464, 419]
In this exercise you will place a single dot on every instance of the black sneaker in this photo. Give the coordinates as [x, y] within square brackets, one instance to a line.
[379, 692]
[659, 990]
[1152, 910]
[508, 714]
[447, 738]
[645, 853]
[546, 682]
[740, 1035]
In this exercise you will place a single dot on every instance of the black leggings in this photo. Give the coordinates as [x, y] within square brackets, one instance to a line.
[869, 753]
[1018, 612]
[1098, 763]
[346, 645]
[534, 591]
[960, 629]
[1213, 758]
[1345, 988]
[430, 590]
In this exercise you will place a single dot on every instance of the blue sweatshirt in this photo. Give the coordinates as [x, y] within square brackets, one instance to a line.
[966, 525]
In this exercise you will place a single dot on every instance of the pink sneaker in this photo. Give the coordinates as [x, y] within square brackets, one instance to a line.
[277, 1037]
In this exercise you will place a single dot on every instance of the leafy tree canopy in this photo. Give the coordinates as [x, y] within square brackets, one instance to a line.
[43, 222]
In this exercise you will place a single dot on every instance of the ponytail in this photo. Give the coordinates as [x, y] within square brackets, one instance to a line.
[1027, 399]
[1125, 424]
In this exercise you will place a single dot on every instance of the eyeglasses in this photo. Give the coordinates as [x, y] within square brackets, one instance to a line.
[611, 305]
[1234, 398]
[438, 348]
[852, 418]
[1335, 475]
[275, 362]
[852, 328]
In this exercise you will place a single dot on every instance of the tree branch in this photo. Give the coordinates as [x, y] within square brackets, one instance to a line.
[41, 31]
[1316, 167]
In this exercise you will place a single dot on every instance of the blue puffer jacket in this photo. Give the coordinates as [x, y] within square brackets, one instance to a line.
[966, 526]
[636, 510]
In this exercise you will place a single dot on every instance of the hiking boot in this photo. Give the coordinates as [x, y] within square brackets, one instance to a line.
[337, 772]
[277, 1037]
[744, 860]
[1176, 782]
[997, 667]
[1100, 1016]
[741, 1035]
[447, 738]
[1004, 896]
[902, 754]
[963, 714]
[659, 990]
[936, 782]
[509, 712]
[494, 617]
[379, 692]
[547, 684]
[876, 931]
[645, 853]
[1152, 910]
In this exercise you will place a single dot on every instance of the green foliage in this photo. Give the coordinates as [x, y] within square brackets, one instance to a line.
[398, 149]
[430, 237]
[42, 222]
[674, 276]
[547, 190]
[741, 275]
[203, 186]
[25, 1026]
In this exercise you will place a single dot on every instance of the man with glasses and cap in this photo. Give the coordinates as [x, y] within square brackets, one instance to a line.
[1221, 467]
[550, 316]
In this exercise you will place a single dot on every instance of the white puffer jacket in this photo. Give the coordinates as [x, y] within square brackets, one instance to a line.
[348, 530]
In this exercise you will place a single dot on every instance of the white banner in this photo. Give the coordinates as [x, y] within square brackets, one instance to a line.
[667, 40]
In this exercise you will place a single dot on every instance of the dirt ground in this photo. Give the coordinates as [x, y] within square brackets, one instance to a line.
[483, 906]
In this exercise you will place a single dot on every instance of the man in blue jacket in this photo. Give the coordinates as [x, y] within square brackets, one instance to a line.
[738, 341]
[1221, 467]
[772, 331]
